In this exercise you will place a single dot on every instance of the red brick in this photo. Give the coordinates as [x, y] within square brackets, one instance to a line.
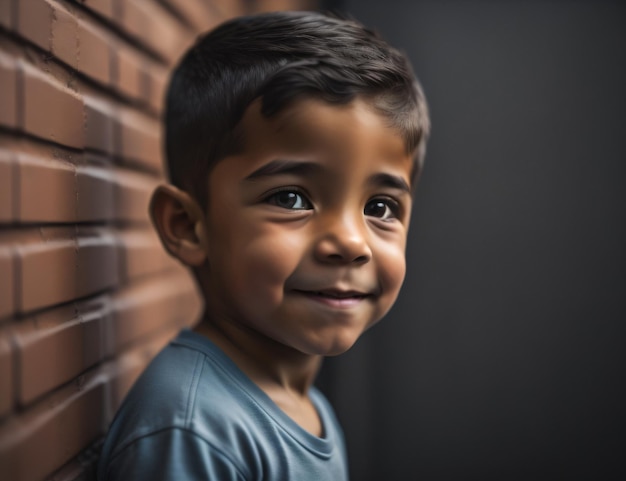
[145, 80]
[129, 71]
[55, 346]
[6, 375]
[95, 194]
[153, 305]
[47, 189]
[46, 346]
[82, 468]
[131, 363]
[157, 78]
[273, 5]
[8, 92]
[94, 53]
[230, 8]
[97, 262]
[64, 35]
[7, 181]
[103, 7]
[61, 267]
[97, 307]
[166, 34]
[7, 280]
[51, 110]
[132, 195]
[47, 272]
[142, 254]
[35, 21]
[7, 9]
[199, 14]
[139, 139]
[127, 369]
[48, 436]
[134, 19]
[156, 28]
[98, 125]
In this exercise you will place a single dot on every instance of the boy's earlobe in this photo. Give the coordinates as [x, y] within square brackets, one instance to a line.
[179, 221]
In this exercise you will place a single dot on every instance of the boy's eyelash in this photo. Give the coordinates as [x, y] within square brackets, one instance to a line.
[288, 188]
[395, 206]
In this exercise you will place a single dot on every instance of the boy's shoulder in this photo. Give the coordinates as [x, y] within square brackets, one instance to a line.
[192, 385]
[194, 396]
[188, 400]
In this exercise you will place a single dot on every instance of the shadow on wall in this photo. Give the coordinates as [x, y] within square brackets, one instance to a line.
[503, 359]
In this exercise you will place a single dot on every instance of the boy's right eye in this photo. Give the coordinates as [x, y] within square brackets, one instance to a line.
[289, 199]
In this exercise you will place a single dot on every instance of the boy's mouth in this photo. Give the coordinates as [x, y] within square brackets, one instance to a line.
[334, 293]
[335, 297]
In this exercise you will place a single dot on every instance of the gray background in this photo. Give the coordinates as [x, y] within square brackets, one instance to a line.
[504, 358]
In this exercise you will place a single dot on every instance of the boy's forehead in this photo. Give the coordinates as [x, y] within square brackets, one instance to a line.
[310, 130]
[314, 124]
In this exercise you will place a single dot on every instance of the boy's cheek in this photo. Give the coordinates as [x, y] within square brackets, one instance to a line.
[392, 274]
[262, 264]
[390, 257]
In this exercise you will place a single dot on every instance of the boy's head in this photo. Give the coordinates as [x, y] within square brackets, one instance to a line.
[279, 58]
[293, 143]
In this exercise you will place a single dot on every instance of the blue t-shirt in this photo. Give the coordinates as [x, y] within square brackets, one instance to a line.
[194, 415]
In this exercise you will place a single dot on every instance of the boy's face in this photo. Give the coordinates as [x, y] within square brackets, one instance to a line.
[307, 227]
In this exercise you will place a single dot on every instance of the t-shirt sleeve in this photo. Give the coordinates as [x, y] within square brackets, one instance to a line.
[172, 454]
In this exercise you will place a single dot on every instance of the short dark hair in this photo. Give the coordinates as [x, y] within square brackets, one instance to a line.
[280, 57]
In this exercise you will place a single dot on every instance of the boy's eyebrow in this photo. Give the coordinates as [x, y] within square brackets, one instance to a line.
[303, 168]
[389, 180]
[282, 166]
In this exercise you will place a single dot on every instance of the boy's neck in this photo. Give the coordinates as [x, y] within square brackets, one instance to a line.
[285, 375]
[275, 368]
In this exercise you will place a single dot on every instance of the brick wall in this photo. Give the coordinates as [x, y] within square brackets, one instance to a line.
[87, 295]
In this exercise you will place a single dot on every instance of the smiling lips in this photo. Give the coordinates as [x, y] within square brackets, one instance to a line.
[336, 298]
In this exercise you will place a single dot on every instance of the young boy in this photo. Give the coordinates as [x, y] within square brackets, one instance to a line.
[293, 141]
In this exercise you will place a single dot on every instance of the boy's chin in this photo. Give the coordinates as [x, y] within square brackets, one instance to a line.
[333, 347]
[337, 352]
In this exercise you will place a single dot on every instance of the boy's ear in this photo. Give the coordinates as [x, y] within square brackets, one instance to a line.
[179, 221]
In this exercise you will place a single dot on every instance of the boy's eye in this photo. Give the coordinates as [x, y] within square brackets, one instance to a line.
[383, 209]
[289, 199]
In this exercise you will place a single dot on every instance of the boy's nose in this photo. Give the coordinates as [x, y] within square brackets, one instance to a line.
[343, 241]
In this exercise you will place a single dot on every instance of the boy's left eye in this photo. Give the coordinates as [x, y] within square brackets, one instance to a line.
[289, 199]
[383, 209]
